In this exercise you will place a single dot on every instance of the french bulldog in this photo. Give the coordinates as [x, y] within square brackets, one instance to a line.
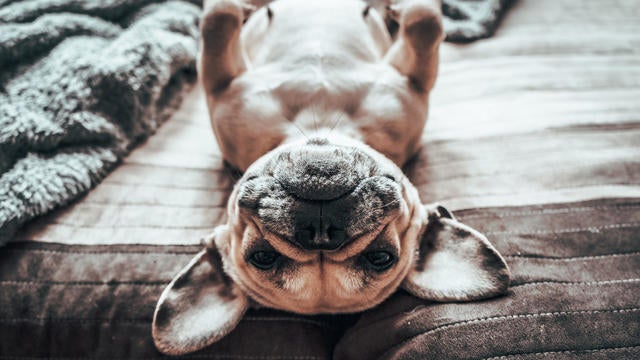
[319, 104]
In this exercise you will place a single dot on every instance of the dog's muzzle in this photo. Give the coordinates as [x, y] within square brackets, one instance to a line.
[320, 196]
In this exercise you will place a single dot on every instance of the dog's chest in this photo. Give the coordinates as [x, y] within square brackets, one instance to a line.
[371, 102]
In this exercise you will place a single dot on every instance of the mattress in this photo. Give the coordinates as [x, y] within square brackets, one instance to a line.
[533, 138]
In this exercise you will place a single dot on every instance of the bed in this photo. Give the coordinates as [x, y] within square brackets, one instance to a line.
[533, 139]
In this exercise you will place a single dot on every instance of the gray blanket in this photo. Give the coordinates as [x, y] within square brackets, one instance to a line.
[469, 20]
[84, 81]
[81, 83]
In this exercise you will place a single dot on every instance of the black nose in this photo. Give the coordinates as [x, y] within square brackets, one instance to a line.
[319, 227]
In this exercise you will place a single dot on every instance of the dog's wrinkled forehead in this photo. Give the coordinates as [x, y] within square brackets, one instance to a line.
[321, 187]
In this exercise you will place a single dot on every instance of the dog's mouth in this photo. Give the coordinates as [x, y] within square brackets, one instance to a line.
[319, 196]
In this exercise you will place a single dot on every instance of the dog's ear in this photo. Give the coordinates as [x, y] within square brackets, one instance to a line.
[198, 307]
[455, 262]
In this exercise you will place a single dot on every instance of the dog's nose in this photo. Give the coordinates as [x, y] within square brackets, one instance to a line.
[318, 227]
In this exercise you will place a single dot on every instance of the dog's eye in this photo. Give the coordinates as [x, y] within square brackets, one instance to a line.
[380, 260]
[264, 260]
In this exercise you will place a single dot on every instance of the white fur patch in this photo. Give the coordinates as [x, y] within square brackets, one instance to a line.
[450, 274]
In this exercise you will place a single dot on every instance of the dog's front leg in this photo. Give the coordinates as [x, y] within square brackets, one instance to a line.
[222, 57]
[415, 52]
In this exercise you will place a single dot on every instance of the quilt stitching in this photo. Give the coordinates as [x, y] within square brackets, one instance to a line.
[567, 283]
[568, 210]
[574, 351]
[526, 171]
[516, 316]
[108, 252]
[124, 226]
[578, 283]
[147, 321]
[85, 283]
[564, 231]
[197, 356]
[516, 190]
[573, 258]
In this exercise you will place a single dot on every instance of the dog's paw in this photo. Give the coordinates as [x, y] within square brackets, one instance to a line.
[419, 20]
[226, 9]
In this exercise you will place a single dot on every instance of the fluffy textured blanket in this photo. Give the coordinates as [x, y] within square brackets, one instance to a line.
[468, 20]
[83, 81]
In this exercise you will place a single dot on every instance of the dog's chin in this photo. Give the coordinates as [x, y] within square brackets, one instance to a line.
[318, 191]
[318, 169]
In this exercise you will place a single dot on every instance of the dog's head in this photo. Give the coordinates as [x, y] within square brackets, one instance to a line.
[323, 227]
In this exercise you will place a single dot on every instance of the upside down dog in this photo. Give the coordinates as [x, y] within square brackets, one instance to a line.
[319, 106]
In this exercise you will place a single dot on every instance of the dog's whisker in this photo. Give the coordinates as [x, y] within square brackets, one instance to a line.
[300, 130]
[340, 116]
[386, 205]
[296, 126]
[315, 120]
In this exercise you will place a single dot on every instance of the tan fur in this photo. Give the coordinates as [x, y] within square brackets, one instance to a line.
[330, 286]
[317, 67]
[319, 108]
[320, 69]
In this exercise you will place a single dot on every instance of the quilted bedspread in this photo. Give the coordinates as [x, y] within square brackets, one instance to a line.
[533, 138]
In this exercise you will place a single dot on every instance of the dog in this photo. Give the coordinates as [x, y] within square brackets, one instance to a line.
[319, 104]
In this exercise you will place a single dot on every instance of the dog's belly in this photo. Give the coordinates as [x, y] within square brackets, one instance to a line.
[267, 106]
[315, 72]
